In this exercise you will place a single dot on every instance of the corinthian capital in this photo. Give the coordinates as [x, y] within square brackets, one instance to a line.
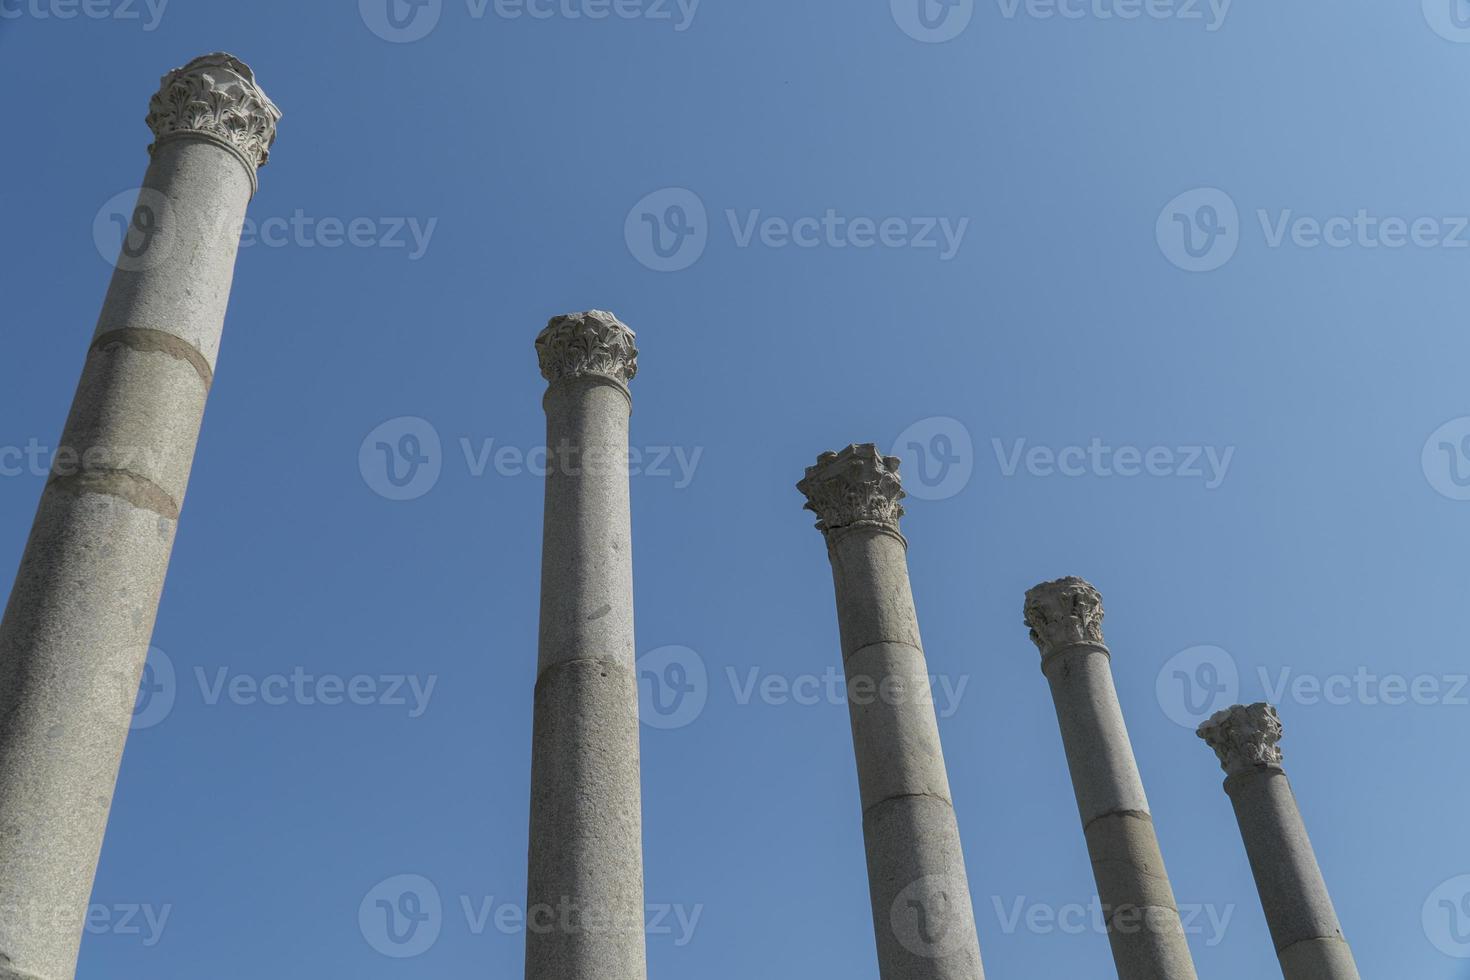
[215, 97]
[1063, 614]
[1245, 738]
[858, 486]
[591, 344]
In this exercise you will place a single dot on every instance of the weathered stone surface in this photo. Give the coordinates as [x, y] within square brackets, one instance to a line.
[922, 913]
[1304, 925]
[586, 853]
[1147, 938]
[1244, 737]
[1064, 613]
[75, 633]
[857, 486]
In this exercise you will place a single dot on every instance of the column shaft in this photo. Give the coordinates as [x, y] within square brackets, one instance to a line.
[1144, 927]
[1304, 925]
[585, 889]
[76, 630]
[923, 917]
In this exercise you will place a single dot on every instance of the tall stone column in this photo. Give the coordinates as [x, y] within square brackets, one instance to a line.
[922, 914]
[585, 895]
[1304, 926]
[1143, 923]
[76, 631]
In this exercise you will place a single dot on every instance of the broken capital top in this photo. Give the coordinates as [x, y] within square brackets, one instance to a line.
[858, 486]
[1245, 737]
[1063, 614]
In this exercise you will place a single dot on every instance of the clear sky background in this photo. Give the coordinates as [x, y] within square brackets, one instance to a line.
[1328, 551]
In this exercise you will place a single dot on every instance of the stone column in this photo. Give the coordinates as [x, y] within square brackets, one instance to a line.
[76, 631]
[922, 914]
[1143, 923]
[585, 892]
[1304, 926]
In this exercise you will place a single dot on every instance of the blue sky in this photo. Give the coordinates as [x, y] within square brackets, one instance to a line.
[1194, 332]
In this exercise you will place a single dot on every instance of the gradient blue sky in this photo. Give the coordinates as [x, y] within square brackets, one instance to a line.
[1333, 545]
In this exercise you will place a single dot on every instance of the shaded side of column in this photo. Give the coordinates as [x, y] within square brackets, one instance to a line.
[585, 892]
[1299, 911]
[75, 634]
[1144, 928]
[922, 912]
